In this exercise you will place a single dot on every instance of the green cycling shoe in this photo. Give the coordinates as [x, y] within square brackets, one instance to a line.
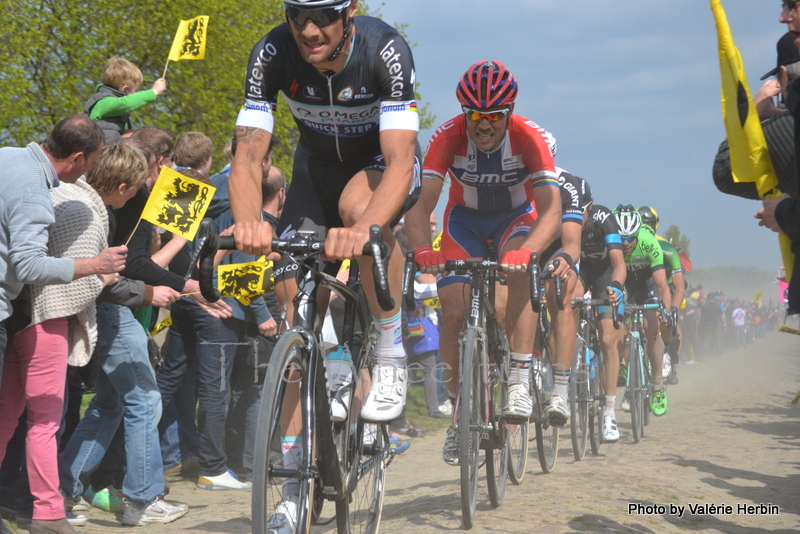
[659, 403]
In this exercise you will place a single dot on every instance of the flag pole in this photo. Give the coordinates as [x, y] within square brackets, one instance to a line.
[134, 231]
[165, 69]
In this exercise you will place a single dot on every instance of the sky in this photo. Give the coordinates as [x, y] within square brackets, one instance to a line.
[631, 91]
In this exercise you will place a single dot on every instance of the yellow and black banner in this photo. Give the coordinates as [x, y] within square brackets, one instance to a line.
[243, 281]
[190, 39]
[178, 203]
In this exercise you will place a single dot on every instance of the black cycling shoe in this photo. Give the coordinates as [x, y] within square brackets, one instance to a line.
[672, 377]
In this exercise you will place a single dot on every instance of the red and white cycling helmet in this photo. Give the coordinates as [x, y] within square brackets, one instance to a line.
[486, 85]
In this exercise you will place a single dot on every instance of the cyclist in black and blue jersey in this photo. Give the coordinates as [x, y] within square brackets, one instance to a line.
[602, 270]
[646, 282]
[349, 83]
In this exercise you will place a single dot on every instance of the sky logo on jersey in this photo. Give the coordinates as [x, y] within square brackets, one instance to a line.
[345, 94]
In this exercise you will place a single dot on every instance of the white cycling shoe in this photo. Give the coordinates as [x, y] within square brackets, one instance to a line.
[387, 396]
[284, 520]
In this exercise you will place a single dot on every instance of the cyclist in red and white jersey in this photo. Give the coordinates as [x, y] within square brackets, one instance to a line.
[503, 189]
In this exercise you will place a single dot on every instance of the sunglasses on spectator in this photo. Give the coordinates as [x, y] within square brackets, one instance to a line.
[491, 116]
[322, 18]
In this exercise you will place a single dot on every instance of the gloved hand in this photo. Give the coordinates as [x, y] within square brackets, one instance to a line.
[429, 261]
[516, 261]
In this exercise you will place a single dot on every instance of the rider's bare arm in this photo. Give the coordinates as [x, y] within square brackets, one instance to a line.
[548, 203]
[418, 217]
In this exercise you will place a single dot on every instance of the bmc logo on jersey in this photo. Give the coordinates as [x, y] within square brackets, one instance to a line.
[345, 94]
[312, 93]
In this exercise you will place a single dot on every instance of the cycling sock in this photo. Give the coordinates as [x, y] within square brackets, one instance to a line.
[290, 446]
[608, 409]
[560, 383]
[520, 371]
[389, 346]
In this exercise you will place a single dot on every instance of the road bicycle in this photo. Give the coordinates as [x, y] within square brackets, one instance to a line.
[340, 461]
[484, 359]
[541, 376]
[586, 393]
[639, 384]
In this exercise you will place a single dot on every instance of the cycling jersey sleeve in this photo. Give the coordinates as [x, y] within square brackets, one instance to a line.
[261, 84]
[394, 67]
[649, 245]
[571, 197]
[442, 149]
[610, 230]
[538, 158]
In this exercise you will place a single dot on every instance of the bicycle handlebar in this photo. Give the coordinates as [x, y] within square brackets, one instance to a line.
[301, 244]
[580, 301]
[537, 277]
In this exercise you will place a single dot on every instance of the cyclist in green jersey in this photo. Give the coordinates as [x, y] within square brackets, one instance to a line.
[677, 284]
[646, 282]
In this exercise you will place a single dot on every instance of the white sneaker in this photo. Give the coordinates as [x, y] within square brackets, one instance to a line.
[557, 411]
[450, 452]
[610, 430]
[158, 511]
[626, 403]
[387, 396]
[284, 520]
[519, 401]
[226, 481]
[446, 408]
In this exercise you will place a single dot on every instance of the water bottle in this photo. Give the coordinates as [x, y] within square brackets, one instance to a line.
[592, 363]
[339, 370]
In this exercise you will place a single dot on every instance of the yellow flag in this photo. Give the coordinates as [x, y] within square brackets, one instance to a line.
[243, 281]
[190, 39]
[750, 160]
[178, 203]
[437, 241]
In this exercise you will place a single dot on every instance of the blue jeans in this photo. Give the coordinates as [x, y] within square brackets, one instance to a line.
[240, 431]
[178, 426]
[126, 392]
[211, 343]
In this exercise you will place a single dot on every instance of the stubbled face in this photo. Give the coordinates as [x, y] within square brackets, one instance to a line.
[317, 44]
[485, 134]
[628, 245]
[790, 15]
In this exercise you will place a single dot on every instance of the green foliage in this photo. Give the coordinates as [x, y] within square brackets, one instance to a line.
[53, 53]
[674, 236]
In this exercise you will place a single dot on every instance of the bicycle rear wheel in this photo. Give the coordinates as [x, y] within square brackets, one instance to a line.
[647, 390]
[635, 396]
[282, 422]
[579, 401]
[497, 446]
[517, 439]
[469, 418]
[546, 434]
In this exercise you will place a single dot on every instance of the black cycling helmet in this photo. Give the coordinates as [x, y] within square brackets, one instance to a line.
[628, 220]
[338, 5]
[649, 217]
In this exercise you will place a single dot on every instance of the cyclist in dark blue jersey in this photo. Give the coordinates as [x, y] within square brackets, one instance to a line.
[349, 83]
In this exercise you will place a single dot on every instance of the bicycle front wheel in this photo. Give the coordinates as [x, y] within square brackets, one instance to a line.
[285, 448]
[579, 401]
[469, 418]
[635, 389]
[546, 434]
[359, 512]
[597, 394]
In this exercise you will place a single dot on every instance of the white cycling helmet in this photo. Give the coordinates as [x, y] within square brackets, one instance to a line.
[628, 220]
